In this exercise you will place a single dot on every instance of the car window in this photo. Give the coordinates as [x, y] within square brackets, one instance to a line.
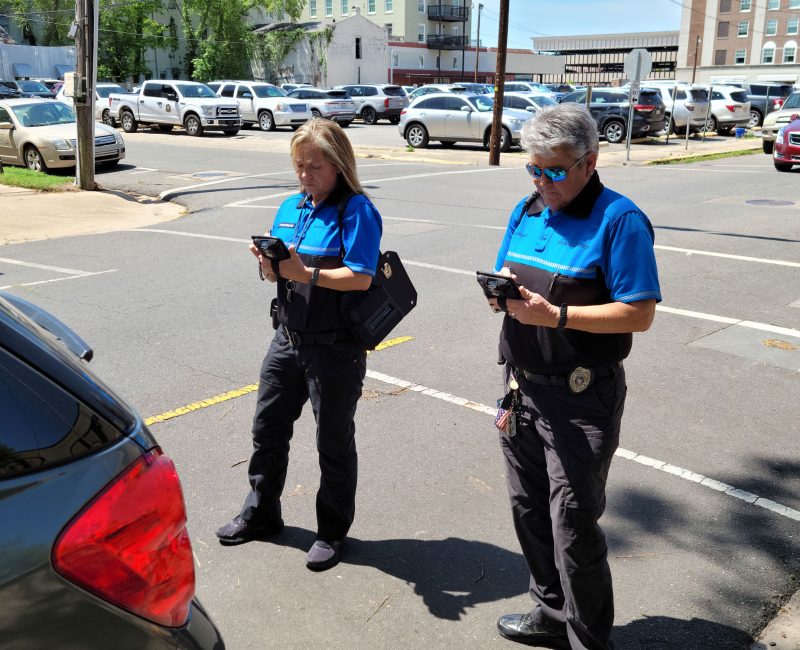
[241, 91]
[454, 103]
[353, 91]
[314, 94]
[600, 97]
[543, 100]
[105, 91]
[201, 90]
[483, 103]
[4, 116]
[42, 424]
[370, 91]
[227, 90]
[393, 91]
[516, 102]
[44, 114]
[699, 95]
[338, 94]
[739, 96]
[32, 87]
[432, 103]
[151, 90]
[166, 89]
[267, 91]
[793, 101]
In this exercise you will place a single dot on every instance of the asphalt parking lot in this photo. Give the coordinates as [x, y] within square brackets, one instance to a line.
[704, 496]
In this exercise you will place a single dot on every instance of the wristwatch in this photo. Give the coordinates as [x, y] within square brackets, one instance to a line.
[562, 317]
[314, 276]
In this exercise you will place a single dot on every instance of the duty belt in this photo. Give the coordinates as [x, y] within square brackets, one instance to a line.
[317, 338]
[577, 380]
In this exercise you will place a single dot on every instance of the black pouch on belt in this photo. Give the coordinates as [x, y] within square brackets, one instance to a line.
[273, 313]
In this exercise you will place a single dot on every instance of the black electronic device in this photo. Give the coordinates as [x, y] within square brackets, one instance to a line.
[272, 248]
[495, 285]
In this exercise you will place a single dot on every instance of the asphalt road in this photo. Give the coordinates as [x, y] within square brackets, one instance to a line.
[703, 500]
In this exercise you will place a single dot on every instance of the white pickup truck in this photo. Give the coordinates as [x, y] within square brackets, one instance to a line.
[264, 104]
[167, 104]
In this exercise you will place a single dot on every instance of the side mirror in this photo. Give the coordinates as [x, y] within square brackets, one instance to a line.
[531, 109]
[465, 109]
[171, 97]
[247, 96]
[6, 126]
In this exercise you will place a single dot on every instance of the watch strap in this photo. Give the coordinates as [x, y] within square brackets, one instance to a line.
[562, 317]
[314, 276]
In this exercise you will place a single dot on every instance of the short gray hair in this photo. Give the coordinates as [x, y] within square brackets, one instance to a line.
[567, 126]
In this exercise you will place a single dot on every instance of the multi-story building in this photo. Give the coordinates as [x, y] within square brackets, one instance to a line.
[745, 39]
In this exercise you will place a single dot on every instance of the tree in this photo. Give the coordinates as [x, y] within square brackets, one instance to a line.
[43, 22]
[219, 41]
[126, 31]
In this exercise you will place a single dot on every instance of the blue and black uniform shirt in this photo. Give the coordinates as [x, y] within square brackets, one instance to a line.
[324, 240]
[596, 250]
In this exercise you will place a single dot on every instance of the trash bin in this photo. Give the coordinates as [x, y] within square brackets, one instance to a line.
[740, 131]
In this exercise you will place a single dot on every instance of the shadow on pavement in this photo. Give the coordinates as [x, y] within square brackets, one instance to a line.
[665, 633]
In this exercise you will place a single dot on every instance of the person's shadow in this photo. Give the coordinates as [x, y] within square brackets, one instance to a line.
[665, 633]
[451, 575]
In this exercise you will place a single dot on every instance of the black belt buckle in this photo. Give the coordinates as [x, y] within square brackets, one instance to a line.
[580, 379]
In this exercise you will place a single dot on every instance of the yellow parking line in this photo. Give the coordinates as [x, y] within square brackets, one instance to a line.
[239, 392]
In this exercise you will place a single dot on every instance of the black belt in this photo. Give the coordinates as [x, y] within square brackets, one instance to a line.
[577, 380]
[317, 338]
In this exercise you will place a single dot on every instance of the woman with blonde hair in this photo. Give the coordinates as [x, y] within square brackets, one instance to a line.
[333, 233]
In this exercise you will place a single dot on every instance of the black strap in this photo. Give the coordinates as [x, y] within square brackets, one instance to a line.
[534, 205]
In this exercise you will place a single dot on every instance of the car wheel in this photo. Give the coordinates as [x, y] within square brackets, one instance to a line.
[417, 136]
[369, 116]
[129, 123]
[394, 120]
[712, 124]
[230, 132]
[315, 114]
[192, 125]
[34, 160]
[767, 146]
[266, 122]
[755, 118]
[108, 119]
[165, 128]
[505, 139]
[782, 167]
[614, 131]
[670, 128]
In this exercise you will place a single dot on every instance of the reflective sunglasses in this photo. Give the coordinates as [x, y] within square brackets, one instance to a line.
[555, 174]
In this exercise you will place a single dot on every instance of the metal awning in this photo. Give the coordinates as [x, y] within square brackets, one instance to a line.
[63, 69]
[23, 70]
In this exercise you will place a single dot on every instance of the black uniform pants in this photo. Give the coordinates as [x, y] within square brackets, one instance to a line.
[557, 464]
[331, 376]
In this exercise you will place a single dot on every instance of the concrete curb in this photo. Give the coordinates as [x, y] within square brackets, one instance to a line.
[783, 632]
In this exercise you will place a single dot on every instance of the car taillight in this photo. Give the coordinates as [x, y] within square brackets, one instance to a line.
[730, 107]
[386, 103]
[130, 545]
[403, 112]
[643, 108]
[778, 104]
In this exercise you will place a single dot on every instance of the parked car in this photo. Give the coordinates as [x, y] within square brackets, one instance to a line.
[334, 105]
[786, 151]
[167, 104]
[41, 134]
[287, 88]
[95, 548]
[102, 104]
[729, 108]
[377, 101]
[28, 88]
[451, 118]
[764, 97]
[528, 101]
[773, 122]
[6, 92]
[429, 89]
[475, 88]
[683, 104]
[560, 89]
[526, 87]
[610, 108]
[264, 104]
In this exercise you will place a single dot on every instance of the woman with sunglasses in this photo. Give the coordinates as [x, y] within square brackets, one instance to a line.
[333, 233]
[583, 258]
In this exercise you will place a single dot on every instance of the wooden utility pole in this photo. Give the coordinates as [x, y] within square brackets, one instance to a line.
[84, 100]
[478, 43]
[694, 68]
[499, 86]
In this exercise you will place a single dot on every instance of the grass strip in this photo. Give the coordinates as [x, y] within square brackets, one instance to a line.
[704, 156]
[18, 177]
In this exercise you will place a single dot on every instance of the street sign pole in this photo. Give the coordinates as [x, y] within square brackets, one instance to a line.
[638, 64]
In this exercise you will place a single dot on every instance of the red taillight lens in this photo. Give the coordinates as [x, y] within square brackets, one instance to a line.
[130, 546]
[386, 103]
[778, 104]
[731, 108]
[403, 112]
[643, 108]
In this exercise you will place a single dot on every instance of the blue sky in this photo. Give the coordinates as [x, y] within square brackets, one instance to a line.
[530, 18]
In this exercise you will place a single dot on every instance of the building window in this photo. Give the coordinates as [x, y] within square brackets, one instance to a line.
[345, 7]
[791, 25]
[768, 53]
[371, 6]
[738, 58]
[312, 8]
[719, 57]
[773, 4]
[328, 8]
[724, 6]
[421, 33]
[388, 27]
[790, 52]
[744, 5]
[744, 28]
[421, 62]
[358, 48]
[421, 6]
[722, 29]
[772, 27]
[388, 6]
[794, 4]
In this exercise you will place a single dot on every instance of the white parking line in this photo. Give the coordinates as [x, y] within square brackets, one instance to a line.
[685, 474]
[44, 267]
[69, 277]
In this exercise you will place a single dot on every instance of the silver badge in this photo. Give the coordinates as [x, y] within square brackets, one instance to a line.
[580, 379]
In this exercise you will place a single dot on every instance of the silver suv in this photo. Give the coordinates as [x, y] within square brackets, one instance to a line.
[377, 101]
[685, 104]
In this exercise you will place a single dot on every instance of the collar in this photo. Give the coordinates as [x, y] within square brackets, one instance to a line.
[581, 206]
[333, 198]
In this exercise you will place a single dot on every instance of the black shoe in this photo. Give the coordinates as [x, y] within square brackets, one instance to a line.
[530, 630]
[323, 555]
[239, 531]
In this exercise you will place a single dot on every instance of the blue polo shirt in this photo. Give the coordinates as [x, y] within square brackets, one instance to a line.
[598, 249]
[323, 240]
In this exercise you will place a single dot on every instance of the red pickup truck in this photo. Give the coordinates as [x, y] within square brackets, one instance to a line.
[787, 146]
